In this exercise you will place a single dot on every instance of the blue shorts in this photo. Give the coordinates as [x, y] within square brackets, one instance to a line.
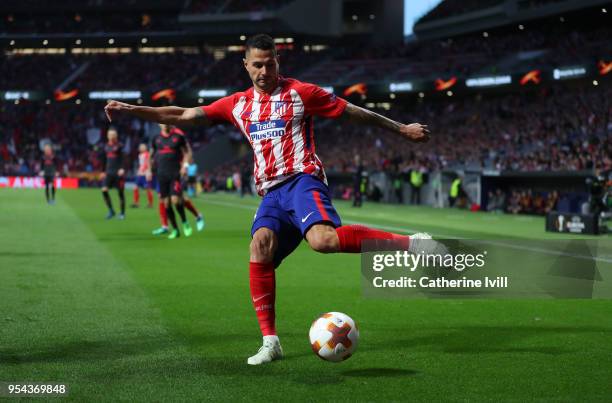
[291, 209]
[143, 183]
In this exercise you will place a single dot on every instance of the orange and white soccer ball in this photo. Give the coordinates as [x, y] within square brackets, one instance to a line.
[334, 336]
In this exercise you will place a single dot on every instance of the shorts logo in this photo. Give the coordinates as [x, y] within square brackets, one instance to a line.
[308, 215]
[267, 130]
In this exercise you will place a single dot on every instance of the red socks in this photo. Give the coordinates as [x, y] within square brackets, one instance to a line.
[150, 197]
[136, 195]
[189, 206]
[351, 236]
[163, 215]
[263, 294]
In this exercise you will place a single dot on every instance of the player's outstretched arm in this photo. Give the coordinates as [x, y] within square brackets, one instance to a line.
[170, 115]
[414, 132]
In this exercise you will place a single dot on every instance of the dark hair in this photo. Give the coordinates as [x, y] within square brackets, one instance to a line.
[261, 41]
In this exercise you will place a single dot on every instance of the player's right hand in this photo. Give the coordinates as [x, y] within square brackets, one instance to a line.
[415, 132]
[113, 107]
[103, 175]
[149, 176]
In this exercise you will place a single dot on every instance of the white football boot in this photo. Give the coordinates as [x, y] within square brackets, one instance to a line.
[270, 350]
[422, 242]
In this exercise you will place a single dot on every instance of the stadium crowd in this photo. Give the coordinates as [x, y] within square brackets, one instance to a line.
[518, 132]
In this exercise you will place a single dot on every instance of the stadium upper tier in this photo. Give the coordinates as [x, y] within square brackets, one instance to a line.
[100, 16]
[450, 8]
[232, 6]
[544, 47]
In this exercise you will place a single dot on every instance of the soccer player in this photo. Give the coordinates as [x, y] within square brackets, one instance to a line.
[113, 173]
[143, 177]
[275, 116]
[170, 149]
[190, 180]
[49, 172]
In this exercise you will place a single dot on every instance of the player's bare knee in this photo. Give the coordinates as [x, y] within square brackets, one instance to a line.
[175, 200]
[323, 240]
[263, 246]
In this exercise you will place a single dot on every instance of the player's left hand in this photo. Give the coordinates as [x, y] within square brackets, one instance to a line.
[121, 172]
[183, 171]
[415, 132]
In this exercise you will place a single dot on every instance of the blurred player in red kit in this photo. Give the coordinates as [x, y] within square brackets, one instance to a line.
[143, 177]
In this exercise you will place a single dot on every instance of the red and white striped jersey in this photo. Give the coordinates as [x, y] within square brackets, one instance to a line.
[143, 163]
[279, 127]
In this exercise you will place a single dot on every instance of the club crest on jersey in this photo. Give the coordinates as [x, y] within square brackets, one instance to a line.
[279, 108]
[267, 130]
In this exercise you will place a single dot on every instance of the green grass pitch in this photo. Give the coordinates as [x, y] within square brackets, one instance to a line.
[120, 315]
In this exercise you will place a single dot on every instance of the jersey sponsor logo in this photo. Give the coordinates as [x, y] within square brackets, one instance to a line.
[267, 130]
[167, 150]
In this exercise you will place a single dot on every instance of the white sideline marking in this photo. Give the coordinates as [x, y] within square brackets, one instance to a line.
[438, 235]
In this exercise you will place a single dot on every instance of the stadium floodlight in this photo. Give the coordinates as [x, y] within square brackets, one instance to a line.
[568, 72]
[212, 93]
[489, 81]
[115, 95]
[401, 87]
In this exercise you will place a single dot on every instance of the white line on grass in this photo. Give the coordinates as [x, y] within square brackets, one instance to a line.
[444, 236]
